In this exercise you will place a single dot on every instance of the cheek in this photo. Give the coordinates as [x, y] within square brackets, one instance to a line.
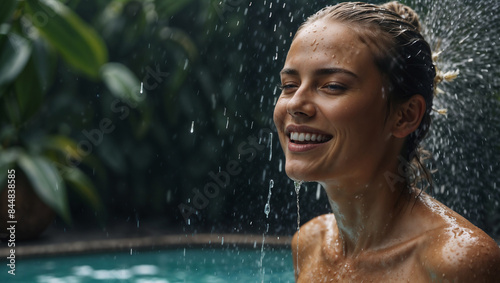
[279, 116]
[356, 116]
[279, 113]
[343, 112]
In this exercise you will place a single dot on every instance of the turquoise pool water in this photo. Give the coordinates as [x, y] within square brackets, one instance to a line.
[180, 265]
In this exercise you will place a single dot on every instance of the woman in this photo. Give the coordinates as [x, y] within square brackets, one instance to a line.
[357, 90]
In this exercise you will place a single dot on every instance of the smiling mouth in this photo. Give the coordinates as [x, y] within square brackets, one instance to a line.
[307, 138]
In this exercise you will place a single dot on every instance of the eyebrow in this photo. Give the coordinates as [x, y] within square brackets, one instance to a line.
[324, 71]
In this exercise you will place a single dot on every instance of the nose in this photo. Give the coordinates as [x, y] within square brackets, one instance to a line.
[301, 105]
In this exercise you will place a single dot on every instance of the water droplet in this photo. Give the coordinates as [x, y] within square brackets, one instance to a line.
[270, 145]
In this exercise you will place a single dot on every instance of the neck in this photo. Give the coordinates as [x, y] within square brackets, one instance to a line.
[368, 214]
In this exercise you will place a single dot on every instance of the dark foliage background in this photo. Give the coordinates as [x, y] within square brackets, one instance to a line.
[209, 73]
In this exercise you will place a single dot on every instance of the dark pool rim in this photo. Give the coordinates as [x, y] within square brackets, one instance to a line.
[149, 243]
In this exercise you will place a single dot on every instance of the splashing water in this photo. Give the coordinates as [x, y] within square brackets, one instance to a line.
[465, 142]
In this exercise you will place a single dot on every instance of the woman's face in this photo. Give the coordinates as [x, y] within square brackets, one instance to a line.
[331, 114]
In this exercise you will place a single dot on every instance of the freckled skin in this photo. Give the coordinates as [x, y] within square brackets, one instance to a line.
[375, 233]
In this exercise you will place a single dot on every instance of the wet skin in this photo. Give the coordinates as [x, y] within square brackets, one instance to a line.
[334, 129]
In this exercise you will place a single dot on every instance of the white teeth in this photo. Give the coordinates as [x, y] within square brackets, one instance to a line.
[307, 137]
[301, 137]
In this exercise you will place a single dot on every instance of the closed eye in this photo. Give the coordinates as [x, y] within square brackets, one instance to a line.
[334, 88]
[287, 87]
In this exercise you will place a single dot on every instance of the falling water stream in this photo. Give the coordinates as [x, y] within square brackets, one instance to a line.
[297, 185]
[267, 210]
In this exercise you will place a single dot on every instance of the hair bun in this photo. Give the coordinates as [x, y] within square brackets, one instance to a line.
[405, 12]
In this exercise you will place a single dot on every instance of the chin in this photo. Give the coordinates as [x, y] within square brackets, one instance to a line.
[299, 174]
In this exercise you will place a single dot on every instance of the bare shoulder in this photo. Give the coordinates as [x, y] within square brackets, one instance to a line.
[310, 240]
[314, 231]
[458, 251]
[463, 255]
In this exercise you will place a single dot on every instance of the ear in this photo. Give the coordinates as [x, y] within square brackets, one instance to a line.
[408, 116]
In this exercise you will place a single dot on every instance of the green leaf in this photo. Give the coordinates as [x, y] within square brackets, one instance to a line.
[45, 61]
[11, 108]
[13, 57]
[67, 153]
[8, 158]
[66, 157]
[78, 43]
[121, 82]
[8, 135]
[28, 90]
[64, 145]
[84, 187]
[47, 183]
[8, 7]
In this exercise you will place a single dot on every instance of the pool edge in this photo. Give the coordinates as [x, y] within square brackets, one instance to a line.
[147, 243]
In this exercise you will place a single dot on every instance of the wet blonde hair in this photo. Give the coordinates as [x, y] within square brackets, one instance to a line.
[393, 33]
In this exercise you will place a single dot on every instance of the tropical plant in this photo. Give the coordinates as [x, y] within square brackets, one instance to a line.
[34, 35]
